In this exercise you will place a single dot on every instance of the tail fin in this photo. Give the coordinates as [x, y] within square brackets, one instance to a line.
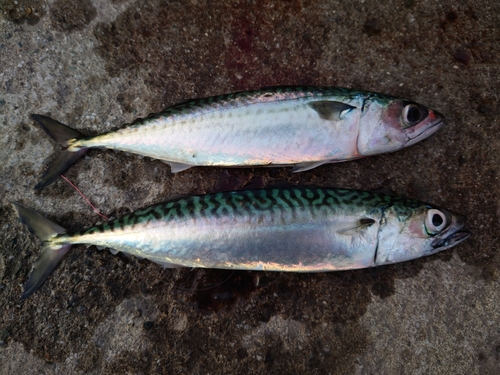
[62, 135]
[50, 254]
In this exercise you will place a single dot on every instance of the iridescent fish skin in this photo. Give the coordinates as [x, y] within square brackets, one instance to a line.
[292, 229]
[301, 127]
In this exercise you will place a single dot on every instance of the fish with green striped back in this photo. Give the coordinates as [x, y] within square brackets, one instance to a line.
[279, 229]
[300, 127]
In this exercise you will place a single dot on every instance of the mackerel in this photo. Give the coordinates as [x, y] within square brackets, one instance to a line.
[301, 127]
[280, 229]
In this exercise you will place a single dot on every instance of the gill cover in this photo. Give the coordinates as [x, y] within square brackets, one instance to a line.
[389, 125]
[410, 233]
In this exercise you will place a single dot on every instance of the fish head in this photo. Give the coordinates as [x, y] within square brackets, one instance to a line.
[408, 233]
[388, 125]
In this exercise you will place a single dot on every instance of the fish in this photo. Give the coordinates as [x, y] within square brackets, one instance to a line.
[299, 127]
[272, 229]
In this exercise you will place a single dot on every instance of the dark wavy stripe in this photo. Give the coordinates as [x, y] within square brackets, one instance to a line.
[256, 202]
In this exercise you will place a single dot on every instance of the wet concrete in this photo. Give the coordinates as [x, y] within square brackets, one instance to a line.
[97, 65]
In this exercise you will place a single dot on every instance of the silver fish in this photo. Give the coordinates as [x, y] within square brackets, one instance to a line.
[280, 229]
[302, 127]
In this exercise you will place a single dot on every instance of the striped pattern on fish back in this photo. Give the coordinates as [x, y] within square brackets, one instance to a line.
[271, 94]
[256, 202]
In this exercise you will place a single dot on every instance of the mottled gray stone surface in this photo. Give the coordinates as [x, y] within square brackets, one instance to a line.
[99, 64]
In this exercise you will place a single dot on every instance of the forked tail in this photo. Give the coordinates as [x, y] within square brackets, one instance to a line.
[62, 134]
[51, 252]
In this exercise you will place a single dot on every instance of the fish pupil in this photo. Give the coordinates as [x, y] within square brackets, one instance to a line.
[437, 220]
[413, 114]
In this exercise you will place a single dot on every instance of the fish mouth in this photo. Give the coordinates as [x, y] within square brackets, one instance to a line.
[426, 133]
[450, 241]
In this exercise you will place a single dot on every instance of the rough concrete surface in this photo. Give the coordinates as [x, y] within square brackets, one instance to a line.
[99, 64]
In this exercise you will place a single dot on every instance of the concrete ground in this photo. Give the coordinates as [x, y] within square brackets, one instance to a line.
[99, 64]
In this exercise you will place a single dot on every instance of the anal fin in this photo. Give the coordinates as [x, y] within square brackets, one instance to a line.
[178, 167]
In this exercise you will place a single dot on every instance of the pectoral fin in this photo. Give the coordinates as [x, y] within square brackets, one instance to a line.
[330, 110]
[362, 223]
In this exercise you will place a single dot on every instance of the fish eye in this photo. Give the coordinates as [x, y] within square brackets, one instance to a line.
[435, 221]
[413, 114]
